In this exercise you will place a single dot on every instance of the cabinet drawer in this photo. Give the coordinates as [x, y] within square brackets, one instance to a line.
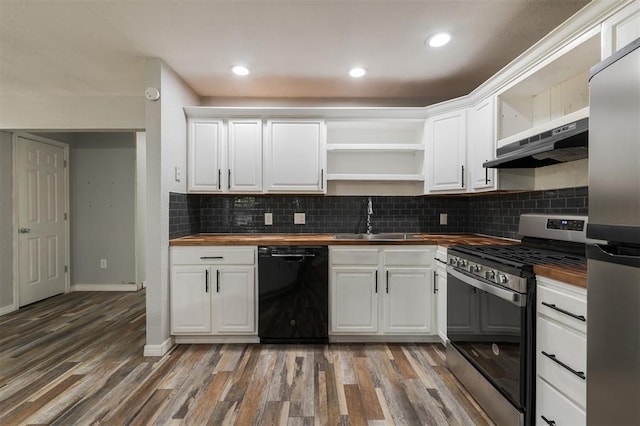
[213, 256]
[399, 257]
[563, 307]
[354, 257]
[555, 407]
[562, 346]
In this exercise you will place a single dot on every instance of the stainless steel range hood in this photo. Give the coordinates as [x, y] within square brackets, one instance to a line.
[559, 145]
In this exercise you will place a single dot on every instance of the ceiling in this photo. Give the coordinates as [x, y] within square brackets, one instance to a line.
[295, 49]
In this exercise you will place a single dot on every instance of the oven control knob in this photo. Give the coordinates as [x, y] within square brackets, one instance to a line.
[490, 275]
[474, 269]
[502, 278]
[462, 263]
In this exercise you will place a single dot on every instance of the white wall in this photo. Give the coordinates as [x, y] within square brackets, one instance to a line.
[102, 183]
[141, 205]
[165, 125]
[6, 213]
[19, 112]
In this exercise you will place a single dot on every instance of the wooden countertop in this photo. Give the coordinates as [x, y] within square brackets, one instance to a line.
[327, 239]
[575, 275]
[572, 274]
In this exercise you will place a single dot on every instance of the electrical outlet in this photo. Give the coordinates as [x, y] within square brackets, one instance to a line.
[103, 263]
[443, 218]
[268, 218]
[299, 218]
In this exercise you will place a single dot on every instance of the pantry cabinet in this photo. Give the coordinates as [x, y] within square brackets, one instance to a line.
[446, 151]
[381, 291]
[295, 156]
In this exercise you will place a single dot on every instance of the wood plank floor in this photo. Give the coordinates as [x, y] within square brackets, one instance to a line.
[77, 359]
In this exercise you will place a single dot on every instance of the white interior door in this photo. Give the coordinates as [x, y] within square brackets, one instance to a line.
[40, 219]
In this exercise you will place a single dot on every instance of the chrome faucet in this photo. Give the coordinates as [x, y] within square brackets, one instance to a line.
[369, 213]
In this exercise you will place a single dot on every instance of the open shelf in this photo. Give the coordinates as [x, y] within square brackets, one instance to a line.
[378, 177]
[388, 147]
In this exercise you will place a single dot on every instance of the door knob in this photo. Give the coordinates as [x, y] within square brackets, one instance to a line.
[24, 230]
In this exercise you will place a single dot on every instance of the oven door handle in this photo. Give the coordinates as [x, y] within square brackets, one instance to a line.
[510, 296]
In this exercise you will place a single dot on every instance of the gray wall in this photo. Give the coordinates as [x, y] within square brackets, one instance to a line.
[102, 182]
[6, 213]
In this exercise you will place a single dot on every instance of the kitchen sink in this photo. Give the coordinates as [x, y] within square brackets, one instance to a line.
[386, 236]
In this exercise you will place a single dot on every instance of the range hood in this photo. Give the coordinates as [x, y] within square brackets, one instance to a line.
[565, 143]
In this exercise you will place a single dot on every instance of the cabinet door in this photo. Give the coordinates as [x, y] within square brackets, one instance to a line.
[234, 306]
[244, 173]
[621, 29]
[441, 300]
[446, 137]
[354, 300]
[295, 157]
[481, 142]
[190, 299]
[408, 300]
[204, 148]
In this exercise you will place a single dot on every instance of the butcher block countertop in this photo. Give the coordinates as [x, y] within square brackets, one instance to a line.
[575, 275]
[571, 274]
[328, 240]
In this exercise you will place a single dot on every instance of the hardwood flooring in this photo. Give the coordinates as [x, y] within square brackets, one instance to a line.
[77, 359]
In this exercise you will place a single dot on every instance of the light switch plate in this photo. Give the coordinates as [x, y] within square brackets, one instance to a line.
[443, 218]
[178, 174]
[268, 218]
[299, 218]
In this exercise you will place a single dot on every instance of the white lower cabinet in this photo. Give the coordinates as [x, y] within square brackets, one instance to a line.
[213, 291]
[561, 353]
[440, 288]
[381, 291]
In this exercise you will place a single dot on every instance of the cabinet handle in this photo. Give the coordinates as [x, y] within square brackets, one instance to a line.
[376, 281]
[553, 358]
[229, 180]
[217, 281]
[486, 175]
[435, 282]
[562, 311]
[219, 183]
[462, 176]
[547, 421]
[211, 257]
[206, 281]
[321, 178]
[387, 282]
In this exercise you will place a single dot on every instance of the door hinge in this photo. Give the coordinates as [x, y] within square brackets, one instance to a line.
[66, 268]
[64, 163]
[65, 215]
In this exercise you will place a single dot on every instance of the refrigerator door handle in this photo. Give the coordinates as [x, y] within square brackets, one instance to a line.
[609, 254]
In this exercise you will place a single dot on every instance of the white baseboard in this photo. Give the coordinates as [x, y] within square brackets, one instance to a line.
[337, 338]
[216, 339]
[158, 350]
[106, 287]
[8, 309]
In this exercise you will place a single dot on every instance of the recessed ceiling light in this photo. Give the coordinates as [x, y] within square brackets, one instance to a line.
[439, 39]
[357, 72]
[240, 70]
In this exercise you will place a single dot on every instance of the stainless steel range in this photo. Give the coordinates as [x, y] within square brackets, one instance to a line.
[491, 312]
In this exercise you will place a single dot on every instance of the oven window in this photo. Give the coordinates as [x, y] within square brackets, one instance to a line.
[489, 332]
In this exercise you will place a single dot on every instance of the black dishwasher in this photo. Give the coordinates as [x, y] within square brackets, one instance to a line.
[293, 294]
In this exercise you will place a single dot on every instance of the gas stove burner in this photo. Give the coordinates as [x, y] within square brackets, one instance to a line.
[527, 256]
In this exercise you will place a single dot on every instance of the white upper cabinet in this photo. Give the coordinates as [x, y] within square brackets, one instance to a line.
[295, 156]
[205, 151]
[481, 142]
[244, 172]
[446, 136]
[621, 29]
[224, 157]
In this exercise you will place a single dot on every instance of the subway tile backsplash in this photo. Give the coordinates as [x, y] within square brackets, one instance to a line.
[492, 214]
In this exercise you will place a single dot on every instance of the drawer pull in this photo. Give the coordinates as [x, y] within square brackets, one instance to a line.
[555, 308]
[553, 358]
[211, 257]
[549, 422]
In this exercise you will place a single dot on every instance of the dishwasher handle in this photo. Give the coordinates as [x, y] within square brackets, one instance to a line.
[292, 255]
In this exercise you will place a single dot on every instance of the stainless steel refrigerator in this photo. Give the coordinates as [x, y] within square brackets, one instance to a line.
[613, 295]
